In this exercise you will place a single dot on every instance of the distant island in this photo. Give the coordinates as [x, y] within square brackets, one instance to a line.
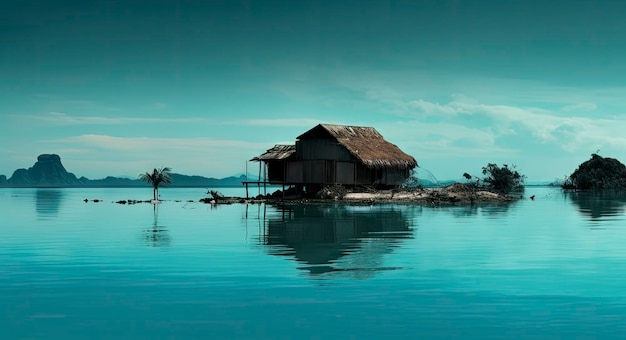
[49, 172]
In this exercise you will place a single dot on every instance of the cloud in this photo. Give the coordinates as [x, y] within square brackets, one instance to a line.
[153, 144]
[429, 108]
[466, 125]
[280, 122]
[580, 107]
[61, 118]
[444, 139]
[128, 155]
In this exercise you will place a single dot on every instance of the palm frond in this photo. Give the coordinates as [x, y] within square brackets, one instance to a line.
[157, 177]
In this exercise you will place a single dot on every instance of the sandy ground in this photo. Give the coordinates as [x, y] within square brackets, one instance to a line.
[430, 196]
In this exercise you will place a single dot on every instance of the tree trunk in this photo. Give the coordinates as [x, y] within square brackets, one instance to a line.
[155, 193]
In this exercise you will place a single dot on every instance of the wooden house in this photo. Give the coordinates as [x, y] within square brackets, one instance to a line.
[337, 154]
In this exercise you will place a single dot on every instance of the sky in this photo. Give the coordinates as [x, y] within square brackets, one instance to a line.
[120, 87]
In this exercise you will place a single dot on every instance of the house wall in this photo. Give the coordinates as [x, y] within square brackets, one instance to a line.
[330, 171]
[295, 172]
[345, 173]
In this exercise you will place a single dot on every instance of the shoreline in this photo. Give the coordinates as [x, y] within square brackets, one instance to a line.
[457, 194]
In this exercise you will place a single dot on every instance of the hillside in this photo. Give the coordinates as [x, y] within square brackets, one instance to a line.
[49, 171]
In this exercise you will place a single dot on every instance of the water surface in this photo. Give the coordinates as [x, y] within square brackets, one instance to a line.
[549, 268]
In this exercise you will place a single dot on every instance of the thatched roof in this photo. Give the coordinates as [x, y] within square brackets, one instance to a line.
[366, 144]
[278, 152]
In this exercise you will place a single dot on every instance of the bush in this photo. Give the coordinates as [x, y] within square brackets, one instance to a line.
[503, 179]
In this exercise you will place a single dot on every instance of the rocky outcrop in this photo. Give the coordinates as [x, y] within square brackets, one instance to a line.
[598, 173]
[48, 171]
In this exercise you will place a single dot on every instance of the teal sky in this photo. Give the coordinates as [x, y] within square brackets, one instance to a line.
[119, 87]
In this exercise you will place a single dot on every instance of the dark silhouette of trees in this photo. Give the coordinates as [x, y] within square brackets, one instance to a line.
[503, 179]
[598, 173]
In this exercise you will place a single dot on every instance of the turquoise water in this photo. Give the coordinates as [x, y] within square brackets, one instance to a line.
[549, 268]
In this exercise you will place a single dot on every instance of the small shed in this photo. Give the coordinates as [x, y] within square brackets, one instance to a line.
[337, 154]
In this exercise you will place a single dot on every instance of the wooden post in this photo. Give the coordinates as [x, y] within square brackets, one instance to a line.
[284, 176]
[246, 183]
[258, 183]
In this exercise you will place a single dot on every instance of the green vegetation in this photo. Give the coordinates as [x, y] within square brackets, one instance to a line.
[157, 177]
[503, 179]
[598, 173]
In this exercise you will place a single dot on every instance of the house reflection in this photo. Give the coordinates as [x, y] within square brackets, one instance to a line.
[337, 239]
[599, 205]
[489, 210]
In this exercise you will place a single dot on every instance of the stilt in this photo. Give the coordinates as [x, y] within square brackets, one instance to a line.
[247, 181]
[259, 181]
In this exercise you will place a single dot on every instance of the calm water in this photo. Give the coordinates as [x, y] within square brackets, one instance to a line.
[549, 268]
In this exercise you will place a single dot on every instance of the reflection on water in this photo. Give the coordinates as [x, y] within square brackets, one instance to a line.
[599, 205]
[156, 235]
[532, 271]
[336, 239]
[487, 210]
[48, 201]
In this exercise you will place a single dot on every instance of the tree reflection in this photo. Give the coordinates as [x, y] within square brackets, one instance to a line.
[157, 236]
[343, 240]
[598, 205]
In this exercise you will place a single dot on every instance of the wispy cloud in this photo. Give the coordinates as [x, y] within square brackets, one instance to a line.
[580, 107]
[284, 122]
[153, 144]
[571, 133]
[128, 155]
[429, 108]
[61, 118]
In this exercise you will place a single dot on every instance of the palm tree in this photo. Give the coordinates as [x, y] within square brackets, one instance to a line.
[157, 177]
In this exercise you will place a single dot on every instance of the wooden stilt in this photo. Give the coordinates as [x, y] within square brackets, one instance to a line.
[259, 181]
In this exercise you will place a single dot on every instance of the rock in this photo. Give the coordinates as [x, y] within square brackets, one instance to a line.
[48, 171]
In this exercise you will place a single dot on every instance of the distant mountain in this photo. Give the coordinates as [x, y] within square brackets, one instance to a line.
[432, 184]
[48, 171]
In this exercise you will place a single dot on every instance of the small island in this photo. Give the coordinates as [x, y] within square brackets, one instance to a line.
[598, 173]
[356, 164]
